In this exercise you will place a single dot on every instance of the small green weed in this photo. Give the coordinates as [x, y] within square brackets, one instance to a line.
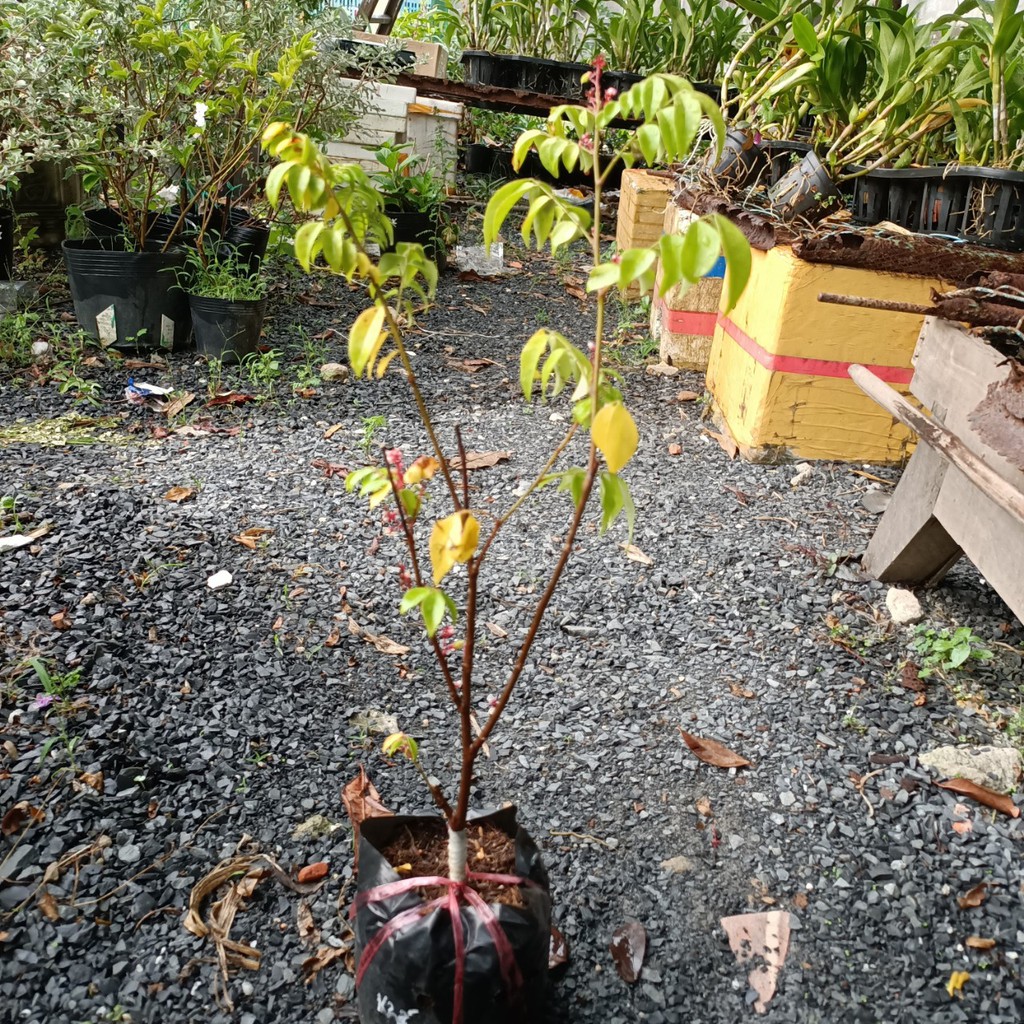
[372, 426]
[942, 651]
[263, 369]
[17, 333]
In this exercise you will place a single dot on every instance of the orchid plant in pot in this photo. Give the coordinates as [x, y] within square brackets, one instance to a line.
[453, 942]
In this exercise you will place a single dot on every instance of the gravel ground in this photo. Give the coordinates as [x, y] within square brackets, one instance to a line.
[204, 724]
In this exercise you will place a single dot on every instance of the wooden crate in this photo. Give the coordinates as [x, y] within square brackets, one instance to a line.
[642, 201]
[778, 362]
[683, 319]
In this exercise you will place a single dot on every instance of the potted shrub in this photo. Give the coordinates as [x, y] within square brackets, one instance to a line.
[413, 200]
[227, 301]
[475, 947]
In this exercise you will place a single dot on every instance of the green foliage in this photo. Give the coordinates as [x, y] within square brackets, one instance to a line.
[433, 604]
[943, 651]
[18, 331]
[263, 369]
[372, 426]
[215, 277]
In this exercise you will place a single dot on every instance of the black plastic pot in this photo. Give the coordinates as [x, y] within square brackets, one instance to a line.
[128, 300]
[369, 54]
[805, 191]
[411, 976]
[995, 208]
[554, 77]
[227, 329]
[944, 203]
[246, 237]
[620, 80]
[742, 161]
[108, 225]
[781, 156]
[500, 70]
[7, 229]
[413, 226]
[479, 158]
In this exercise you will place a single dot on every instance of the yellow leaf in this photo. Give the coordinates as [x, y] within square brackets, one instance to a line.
[382, 366]
[364, 337]
[452, 540]
[956, 983]
[615, 435]
[423, 468]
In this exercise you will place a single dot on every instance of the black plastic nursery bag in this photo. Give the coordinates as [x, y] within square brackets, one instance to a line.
[406, 952]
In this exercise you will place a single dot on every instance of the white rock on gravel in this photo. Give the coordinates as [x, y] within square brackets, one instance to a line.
[903, 606]
[219, 580]
[678, 865]
[804, 472]
[996, 768]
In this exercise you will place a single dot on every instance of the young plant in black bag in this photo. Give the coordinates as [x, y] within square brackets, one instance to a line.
[448, 554]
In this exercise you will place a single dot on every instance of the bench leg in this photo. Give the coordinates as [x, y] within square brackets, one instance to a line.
[910, 544]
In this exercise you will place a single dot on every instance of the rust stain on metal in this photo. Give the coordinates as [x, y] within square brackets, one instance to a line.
[999, 417]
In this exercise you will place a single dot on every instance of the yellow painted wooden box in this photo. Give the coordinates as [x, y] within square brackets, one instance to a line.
[683, 319]
[777, 369]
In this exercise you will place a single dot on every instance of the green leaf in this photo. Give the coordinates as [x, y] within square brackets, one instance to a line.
[737, 259]
[412, 598]
[648, 138]
[528, 360]
[803, 32]
[701, 249]
[959, 654]
[637, 266]
[500, 206]
[615, 499]
[604, 275]
[572, 481]
[524, 144]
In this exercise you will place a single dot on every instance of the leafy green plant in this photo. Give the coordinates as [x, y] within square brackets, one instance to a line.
[372, 426]
[18, 331]
[221, 277]
[943, 651]
[57, 686]
[406, 181]
[263, 369]
[348, 214]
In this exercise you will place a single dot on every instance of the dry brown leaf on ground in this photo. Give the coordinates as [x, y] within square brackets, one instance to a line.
[61, 620]
[712, 752]
[20, 815]
[704, 806]
[977, 942]
[331, 431]
[496, 631]
[973, 897]
[727, 444]
[385, 644]
[763, 937]
[634, 554]
[309, 934]
[628, 948]
[47, 905]
[480, 460]
[323, 957]
[250, 538]
[362, 800]
[687, 396]
[176, 405]
[997, 801]
[22, 540]
[675, 449]
[558, 951]
[740, 691]
[474, 365]
[180, 494]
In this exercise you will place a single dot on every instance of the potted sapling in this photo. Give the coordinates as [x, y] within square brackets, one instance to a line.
[452, 913]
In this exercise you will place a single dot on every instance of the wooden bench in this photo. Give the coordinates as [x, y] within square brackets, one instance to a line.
[957, 496]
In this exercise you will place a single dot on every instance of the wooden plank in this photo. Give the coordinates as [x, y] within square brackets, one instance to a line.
[944, 442]
[910, 545]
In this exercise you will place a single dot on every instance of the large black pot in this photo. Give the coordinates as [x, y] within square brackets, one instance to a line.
[240, 235]
[108, 225]
[128, 300]
[782, 154]
[227, 329]
[411, 974]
